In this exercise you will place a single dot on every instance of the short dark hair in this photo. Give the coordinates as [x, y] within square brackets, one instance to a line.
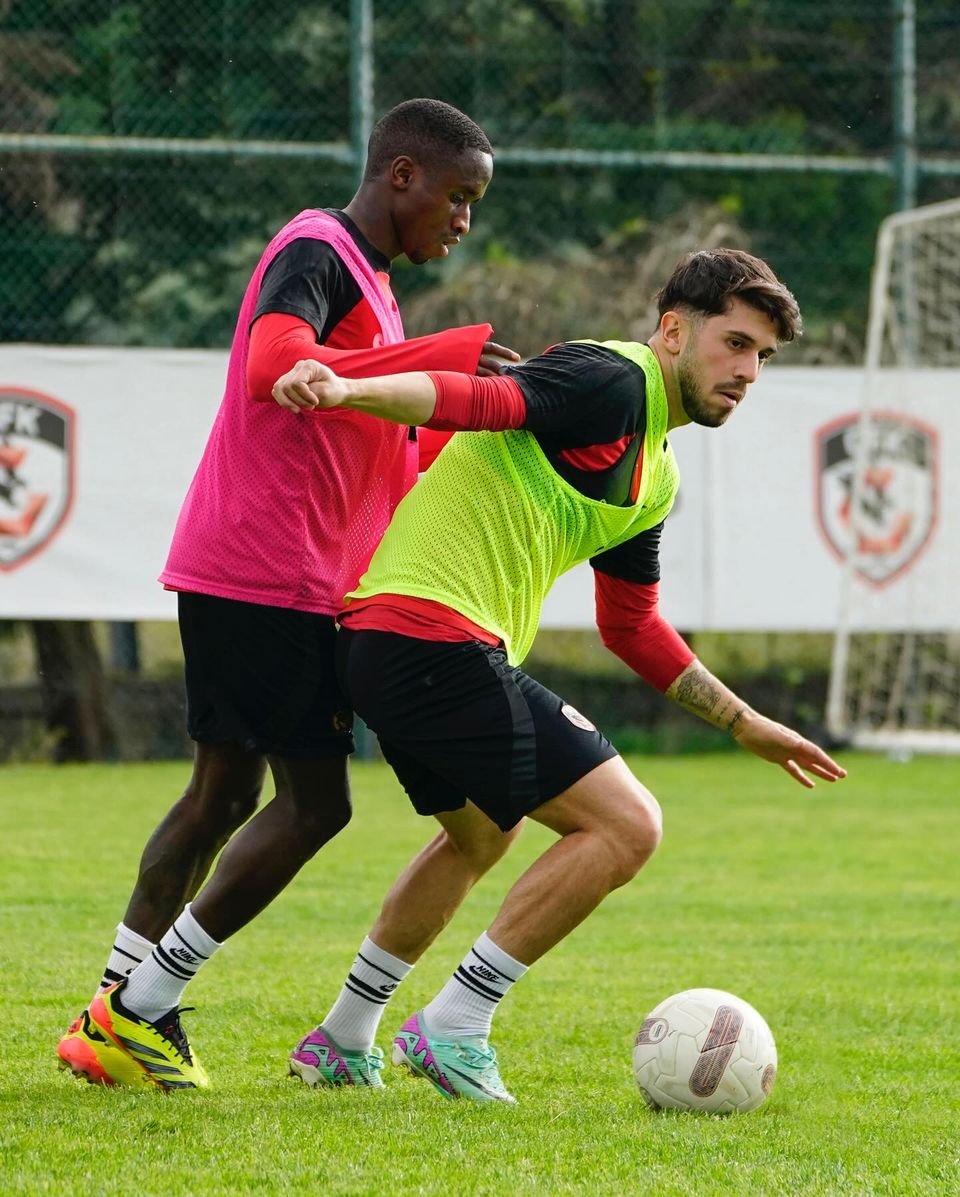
[426, 130]
[708, 280]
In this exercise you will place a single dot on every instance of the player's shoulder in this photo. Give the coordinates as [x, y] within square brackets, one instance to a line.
[588, 363]
[309, 252]
[598, 352]
[316, 249]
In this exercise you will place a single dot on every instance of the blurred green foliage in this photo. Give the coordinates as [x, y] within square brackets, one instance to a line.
[126, 248]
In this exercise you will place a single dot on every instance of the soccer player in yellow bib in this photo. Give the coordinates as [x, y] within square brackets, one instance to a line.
[563, 459]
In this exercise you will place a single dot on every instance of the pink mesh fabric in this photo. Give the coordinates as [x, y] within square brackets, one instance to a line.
[286, 510]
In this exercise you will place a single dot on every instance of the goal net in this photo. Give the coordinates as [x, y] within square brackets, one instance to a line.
[893, 470]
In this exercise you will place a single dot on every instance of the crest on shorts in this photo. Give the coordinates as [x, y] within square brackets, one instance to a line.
[36, 472]
[897, 497]
[576, 718]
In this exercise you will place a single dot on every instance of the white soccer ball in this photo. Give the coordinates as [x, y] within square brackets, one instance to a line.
[707, 1050]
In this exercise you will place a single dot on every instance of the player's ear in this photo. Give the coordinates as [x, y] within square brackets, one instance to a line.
[402, 170]
[671, 328]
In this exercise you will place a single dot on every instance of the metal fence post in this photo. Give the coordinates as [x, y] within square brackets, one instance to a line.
[361, 80]
[905, 102]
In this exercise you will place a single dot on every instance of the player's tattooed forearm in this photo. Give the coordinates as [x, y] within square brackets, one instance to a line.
[697, 692]
[700, 692]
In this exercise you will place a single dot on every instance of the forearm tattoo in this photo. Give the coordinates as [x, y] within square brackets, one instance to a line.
[699, 692]
[696, 692]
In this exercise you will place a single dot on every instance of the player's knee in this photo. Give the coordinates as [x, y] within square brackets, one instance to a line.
[215, 813]
[485, 845]
[635, 836]
[240, 807]
[320, 822]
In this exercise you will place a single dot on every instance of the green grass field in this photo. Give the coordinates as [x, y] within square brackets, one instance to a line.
[835, 913]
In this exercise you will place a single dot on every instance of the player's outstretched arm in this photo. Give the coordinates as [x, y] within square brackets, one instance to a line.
[400, 398]
[698, 691]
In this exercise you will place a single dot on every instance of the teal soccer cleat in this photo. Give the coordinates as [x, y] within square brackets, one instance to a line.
[461, 1068]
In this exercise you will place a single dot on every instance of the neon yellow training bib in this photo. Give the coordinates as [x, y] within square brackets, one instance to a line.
[491, 525]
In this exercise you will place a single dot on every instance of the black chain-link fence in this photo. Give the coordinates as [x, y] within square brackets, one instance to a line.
[148, 150]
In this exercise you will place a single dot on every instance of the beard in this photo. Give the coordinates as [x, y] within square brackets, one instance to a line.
[694, 397]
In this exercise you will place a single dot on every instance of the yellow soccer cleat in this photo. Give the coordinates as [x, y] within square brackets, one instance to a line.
[114, 1046]
[89, 1054]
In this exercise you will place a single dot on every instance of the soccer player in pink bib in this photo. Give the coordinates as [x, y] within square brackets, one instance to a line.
[279, 523]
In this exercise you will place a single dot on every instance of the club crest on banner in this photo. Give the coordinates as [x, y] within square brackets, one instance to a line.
[37, 436]
[897, 497]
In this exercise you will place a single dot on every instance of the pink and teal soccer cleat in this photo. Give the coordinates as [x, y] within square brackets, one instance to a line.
[460, 1068]
[317, 1060]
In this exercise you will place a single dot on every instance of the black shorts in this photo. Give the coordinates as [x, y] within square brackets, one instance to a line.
[457, 721]
[263, 677]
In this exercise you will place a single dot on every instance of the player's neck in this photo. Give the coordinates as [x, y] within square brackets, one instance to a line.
[676, 416]
[373, 219]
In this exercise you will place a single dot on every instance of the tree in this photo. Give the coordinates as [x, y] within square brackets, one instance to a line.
[75, 694]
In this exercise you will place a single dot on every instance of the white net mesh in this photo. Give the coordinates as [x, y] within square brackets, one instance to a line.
[893, 473]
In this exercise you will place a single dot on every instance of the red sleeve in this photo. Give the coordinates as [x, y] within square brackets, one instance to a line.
[632, 627]
[429, 444]
[466, 404]
[278, 341]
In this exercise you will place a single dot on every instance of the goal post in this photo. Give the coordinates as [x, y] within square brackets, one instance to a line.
[895, 671]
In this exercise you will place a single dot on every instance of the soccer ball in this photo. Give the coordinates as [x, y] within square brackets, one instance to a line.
[707, 1050]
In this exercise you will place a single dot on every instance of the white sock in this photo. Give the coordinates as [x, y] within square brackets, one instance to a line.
[355, 1015]
[156, 986]
[129, 950]
[466, 1004]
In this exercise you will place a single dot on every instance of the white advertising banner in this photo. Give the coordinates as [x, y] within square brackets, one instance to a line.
[755, 540]
[98, 446]
[113, 470]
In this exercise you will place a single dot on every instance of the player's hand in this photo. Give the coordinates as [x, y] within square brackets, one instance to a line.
[309, 385]
[786, 748]
[493, 359]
